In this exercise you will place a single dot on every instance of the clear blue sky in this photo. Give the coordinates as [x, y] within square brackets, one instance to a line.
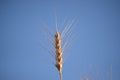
[93, 54]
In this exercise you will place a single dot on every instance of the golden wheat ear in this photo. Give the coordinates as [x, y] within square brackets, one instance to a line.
[60, 46]
[58, 42]
[58, 50]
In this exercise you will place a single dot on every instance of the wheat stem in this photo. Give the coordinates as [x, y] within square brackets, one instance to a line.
[60, 75]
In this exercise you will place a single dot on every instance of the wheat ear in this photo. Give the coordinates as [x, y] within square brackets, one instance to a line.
[58, 56]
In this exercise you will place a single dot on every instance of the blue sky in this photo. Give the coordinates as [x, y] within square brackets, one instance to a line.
[95, 51]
